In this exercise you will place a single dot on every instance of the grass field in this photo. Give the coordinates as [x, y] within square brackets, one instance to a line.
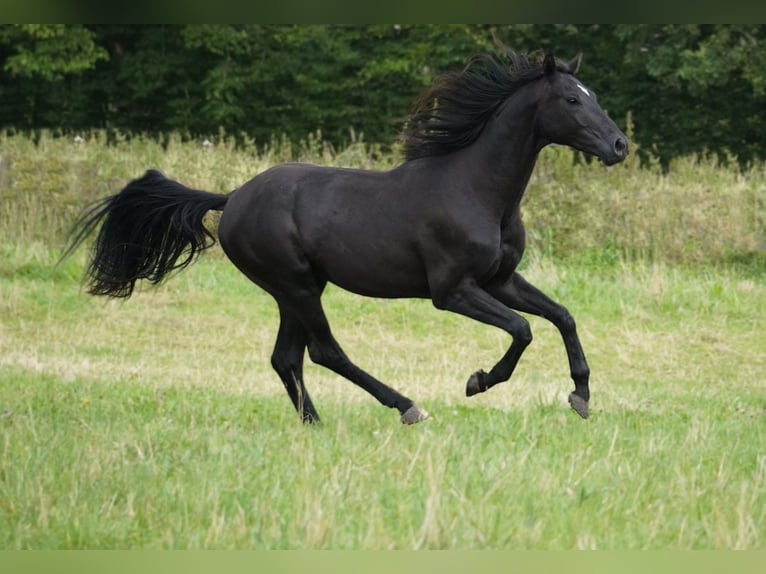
[158, 423]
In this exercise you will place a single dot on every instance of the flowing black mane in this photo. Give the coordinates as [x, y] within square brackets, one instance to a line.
[451, 114]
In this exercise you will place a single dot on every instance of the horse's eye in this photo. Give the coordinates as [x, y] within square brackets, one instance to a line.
[572, 100]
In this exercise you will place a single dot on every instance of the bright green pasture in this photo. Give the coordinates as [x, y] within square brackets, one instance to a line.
[158, 423]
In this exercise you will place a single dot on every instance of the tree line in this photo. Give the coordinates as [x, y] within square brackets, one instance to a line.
[678, 89]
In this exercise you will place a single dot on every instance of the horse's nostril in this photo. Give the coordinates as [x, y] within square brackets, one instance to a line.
[621, 146]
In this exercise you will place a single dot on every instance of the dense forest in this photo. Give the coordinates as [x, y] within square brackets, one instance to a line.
[678, 89]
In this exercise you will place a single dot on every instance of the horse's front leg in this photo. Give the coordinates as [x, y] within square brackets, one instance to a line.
[468, 299]
[518, 294]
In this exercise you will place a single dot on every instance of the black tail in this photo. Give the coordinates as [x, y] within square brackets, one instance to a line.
[146, 228]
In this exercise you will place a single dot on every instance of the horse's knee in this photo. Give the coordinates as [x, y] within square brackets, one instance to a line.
[522, 334]
[566, 322]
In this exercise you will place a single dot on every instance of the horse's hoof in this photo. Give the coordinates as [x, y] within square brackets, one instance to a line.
[579, 404]
[475, 384]
[413, 415]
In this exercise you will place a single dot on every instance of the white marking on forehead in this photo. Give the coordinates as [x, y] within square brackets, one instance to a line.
[584, 90]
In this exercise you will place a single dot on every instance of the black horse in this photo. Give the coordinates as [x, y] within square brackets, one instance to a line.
[443, 225]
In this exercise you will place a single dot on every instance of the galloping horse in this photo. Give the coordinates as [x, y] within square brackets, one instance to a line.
[444, 225]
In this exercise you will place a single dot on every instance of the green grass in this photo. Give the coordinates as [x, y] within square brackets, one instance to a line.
[157, 422]
[93, 466]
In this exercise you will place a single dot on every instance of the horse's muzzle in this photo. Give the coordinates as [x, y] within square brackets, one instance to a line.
[619, 151]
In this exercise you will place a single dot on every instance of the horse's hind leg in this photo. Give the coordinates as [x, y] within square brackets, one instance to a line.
[287, 360]
[269, 254]
[324, 350]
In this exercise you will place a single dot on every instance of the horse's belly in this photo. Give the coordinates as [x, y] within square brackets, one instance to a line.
[374, 273]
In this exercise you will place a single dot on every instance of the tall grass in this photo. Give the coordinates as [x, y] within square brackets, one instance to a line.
[698, 211]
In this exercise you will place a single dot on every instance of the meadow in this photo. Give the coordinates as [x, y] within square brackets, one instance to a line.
[157, 423]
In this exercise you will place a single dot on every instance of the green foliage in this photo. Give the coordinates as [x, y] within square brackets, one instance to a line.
[700, 87]
[49, 51]
[690, 88]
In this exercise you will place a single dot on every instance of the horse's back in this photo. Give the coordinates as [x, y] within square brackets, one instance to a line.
[353, 227]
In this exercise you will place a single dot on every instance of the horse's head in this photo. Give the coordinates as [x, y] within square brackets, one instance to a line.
[569, 114]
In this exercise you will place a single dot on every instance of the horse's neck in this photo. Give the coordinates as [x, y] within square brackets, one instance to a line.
[507, 151]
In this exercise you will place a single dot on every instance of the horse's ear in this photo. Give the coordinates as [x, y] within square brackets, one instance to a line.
[574, 64]
[549, 64]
